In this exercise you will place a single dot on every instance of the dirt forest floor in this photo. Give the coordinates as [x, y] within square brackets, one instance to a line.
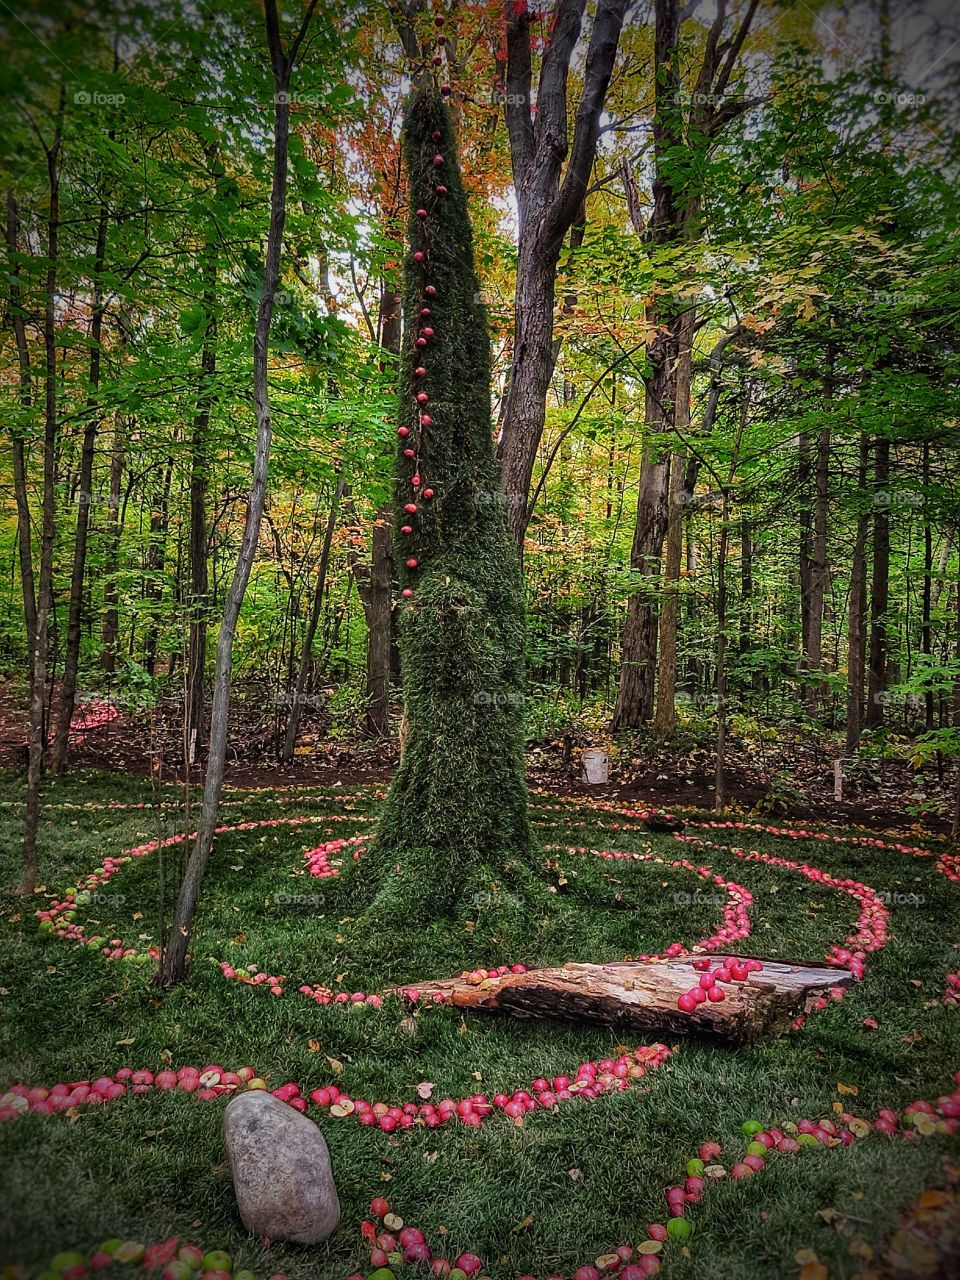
[788, 773]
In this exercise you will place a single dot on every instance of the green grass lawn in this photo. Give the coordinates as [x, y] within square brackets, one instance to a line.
[545, 1198]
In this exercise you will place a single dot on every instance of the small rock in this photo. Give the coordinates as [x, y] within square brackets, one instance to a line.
[281, 1170]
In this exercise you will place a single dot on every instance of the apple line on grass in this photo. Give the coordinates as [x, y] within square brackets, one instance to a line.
[398, 1243]
[590, 1081]
[60, 918]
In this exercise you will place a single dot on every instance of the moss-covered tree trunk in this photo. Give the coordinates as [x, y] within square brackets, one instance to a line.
[455, 833]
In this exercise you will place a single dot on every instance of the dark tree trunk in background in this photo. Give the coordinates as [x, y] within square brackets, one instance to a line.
[880, 585]
[719, 782]
[665, 718]
[856, 635]
[25, 388]
[548, 205]
[199, 604]
[376, 592]
[746, 585]
[173, 964]
[955, 829]
[156, 560]
[674, 217]
[720, 774]
[71, 660]
[804, 473]
[38, 656]
[306, 651]
[111, 556]
[377, 599]
[817, 570]
[926, 624]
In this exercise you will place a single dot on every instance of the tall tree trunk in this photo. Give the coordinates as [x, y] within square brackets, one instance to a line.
[746, 585]
[818, 567]
[856, 636]
[720, 776]
[880, 585]
[665, 718]
[377, 599]
[804, 473]
[199, 480]
[92, 418]
[548, 207]
[955, 829]
[635, 691]
[674, 216]
[530, 374]
[173, 964]
[306, 650]
[38, 670]
[111, 558]
[634, 702]
[25, 387]
[926, 624]
[155, 561]
[376, 591]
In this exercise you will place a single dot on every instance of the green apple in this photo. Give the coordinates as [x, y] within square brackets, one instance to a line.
[130, 1251]
[216, 1260]
[61, 1261]
[178, 1270]
[678, 1229]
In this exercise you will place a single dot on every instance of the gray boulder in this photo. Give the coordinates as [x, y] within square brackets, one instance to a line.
[281, 1170]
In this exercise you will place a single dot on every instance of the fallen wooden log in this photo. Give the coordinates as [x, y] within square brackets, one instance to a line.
[642, 996]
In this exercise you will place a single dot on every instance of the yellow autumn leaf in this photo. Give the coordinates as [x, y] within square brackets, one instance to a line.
[813, 1271]
[850, 1089]
[934, 1199]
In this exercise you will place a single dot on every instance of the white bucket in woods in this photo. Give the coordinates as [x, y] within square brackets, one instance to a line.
[596, 766]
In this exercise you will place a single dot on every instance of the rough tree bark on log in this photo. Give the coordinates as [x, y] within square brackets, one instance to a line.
[642, 996]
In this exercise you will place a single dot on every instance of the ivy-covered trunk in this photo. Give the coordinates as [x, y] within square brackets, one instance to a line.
[455, 831]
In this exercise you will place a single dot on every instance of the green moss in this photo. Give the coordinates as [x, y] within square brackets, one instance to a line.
[455, 824]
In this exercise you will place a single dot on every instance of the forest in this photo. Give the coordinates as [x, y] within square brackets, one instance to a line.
[724, 388]
[488, 420]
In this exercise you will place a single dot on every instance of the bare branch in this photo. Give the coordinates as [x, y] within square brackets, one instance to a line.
[517, 89]
[601, 55]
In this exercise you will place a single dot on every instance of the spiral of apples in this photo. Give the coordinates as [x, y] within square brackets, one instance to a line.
[392, 1243]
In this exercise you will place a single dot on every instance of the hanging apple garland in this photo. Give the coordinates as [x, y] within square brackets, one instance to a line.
[422, 335]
